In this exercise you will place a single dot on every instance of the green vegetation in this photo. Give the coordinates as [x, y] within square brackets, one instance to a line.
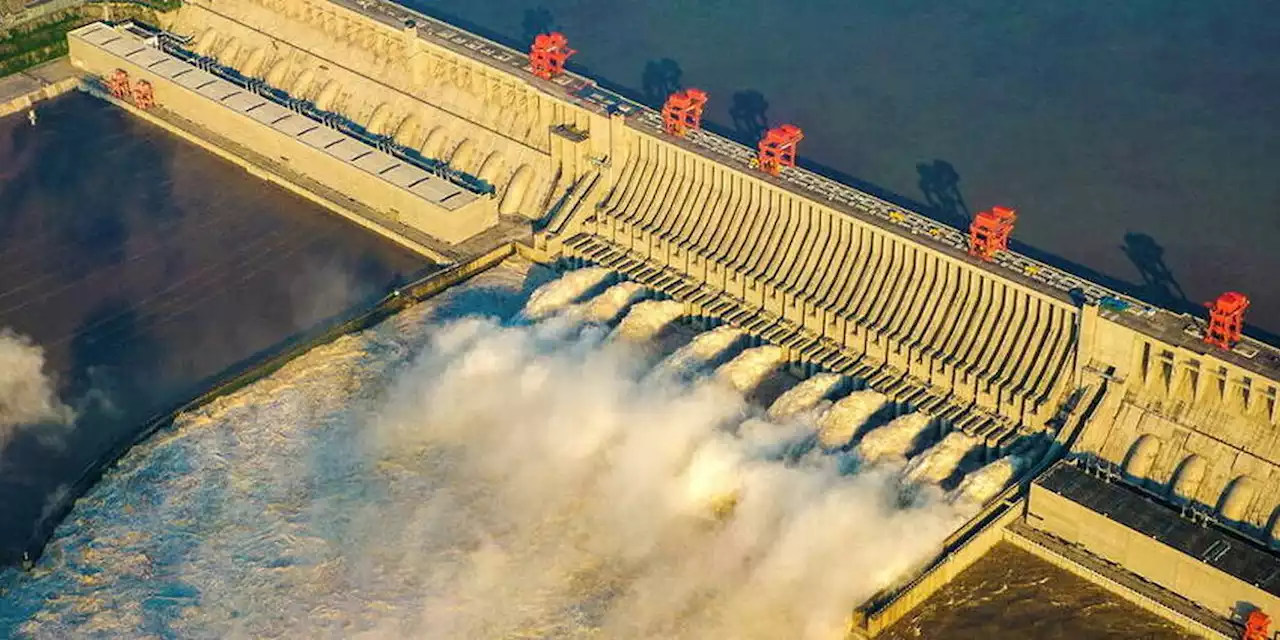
[39, 41]
[30, 45]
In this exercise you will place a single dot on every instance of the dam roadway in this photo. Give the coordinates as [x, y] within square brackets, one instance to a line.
[1003, 351]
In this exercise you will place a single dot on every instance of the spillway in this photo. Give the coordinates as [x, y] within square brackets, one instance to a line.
[804, 396]
[750, 368]
[985, 483]
[645, 320]
[940, 461]
[895, 440]
[606, 307]
[838, 426]
[557, 295]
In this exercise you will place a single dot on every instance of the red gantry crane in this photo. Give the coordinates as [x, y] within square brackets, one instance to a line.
[548, 54]
[778, 148]
[118, 84]
[683, 111]
[990, 232]
[1226, 320]
[143, 95]
[1257, 626]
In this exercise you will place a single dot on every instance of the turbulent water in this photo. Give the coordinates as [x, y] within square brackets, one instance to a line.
[841, 422]
[453, 475]
[749, 368]
[804, 397]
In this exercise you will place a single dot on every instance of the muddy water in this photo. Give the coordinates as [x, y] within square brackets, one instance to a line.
[1010, 593]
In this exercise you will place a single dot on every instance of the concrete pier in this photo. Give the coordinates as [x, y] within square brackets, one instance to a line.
[23, 90]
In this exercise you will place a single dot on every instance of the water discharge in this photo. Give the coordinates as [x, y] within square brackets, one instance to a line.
[940, 461]
[841, 422]
[443, 477]
[804, 397]
[704, 348]
[986, 483]
[750, 368]
[647, 319]
[559, 294]
[894, 440]
[606, 307]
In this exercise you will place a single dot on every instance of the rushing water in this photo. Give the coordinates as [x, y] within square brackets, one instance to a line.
[463, 471]
[141, 266]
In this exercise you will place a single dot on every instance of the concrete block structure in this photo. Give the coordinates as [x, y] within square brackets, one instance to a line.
[1004, 349]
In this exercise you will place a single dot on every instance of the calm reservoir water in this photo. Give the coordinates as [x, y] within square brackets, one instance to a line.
[1137, 139]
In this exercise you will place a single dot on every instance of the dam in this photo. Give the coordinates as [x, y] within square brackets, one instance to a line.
[1147, 455]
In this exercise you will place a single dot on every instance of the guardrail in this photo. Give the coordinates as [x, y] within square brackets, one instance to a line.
[258, 367]
[172, 45]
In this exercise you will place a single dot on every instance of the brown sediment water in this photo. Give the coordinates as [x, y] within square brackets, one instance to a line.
[1010, 593]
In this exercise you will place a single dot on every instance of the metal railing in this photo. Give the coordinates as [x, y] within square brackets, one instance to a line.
[173, 45]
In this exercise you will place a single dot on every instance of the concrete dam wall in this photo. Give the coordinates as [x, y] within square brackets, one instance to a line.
[844, 280]
[841, 281]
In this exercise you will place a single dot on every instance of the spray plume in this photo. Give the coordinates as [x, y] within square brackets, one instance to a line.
[894, 440]
[27, 395]
[647, 319]
[562, 292]
[841, 422]
[495, 482]
[804, 397]
[939, 462]
[750, 368]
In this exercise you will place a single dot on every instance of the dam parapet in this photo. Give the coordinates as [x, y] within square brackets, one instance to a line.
[452, 136]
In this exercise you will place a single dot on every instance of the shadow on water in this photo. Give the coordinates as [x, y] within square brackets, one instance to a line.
[660, 79]
[1158, 282]
[940, 184]
[537, 21]
[750, 114]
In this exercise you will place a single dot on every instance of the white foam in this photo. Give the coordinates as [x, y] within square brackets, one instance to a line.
[982, 485]
[840, 423]
[804, 396]
[746, 371]
[606, 307]
[558, 294]
[647, 319]
[893, 440]
[940, 461]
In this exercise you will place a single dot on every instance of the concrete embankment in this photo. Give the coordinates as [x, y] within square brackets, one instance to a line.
[20, 91]
[261, 366]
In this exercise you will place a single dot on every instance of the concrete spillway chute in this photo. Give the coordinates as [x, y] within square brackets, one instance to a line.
[302, 84]
[378, 119]
[517, 189]
[253, 64]
[462, 156]
[433, 146]
[279, 68]
[328, 96]
[1234, 506]
[1142, 456]
[1187, 479]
